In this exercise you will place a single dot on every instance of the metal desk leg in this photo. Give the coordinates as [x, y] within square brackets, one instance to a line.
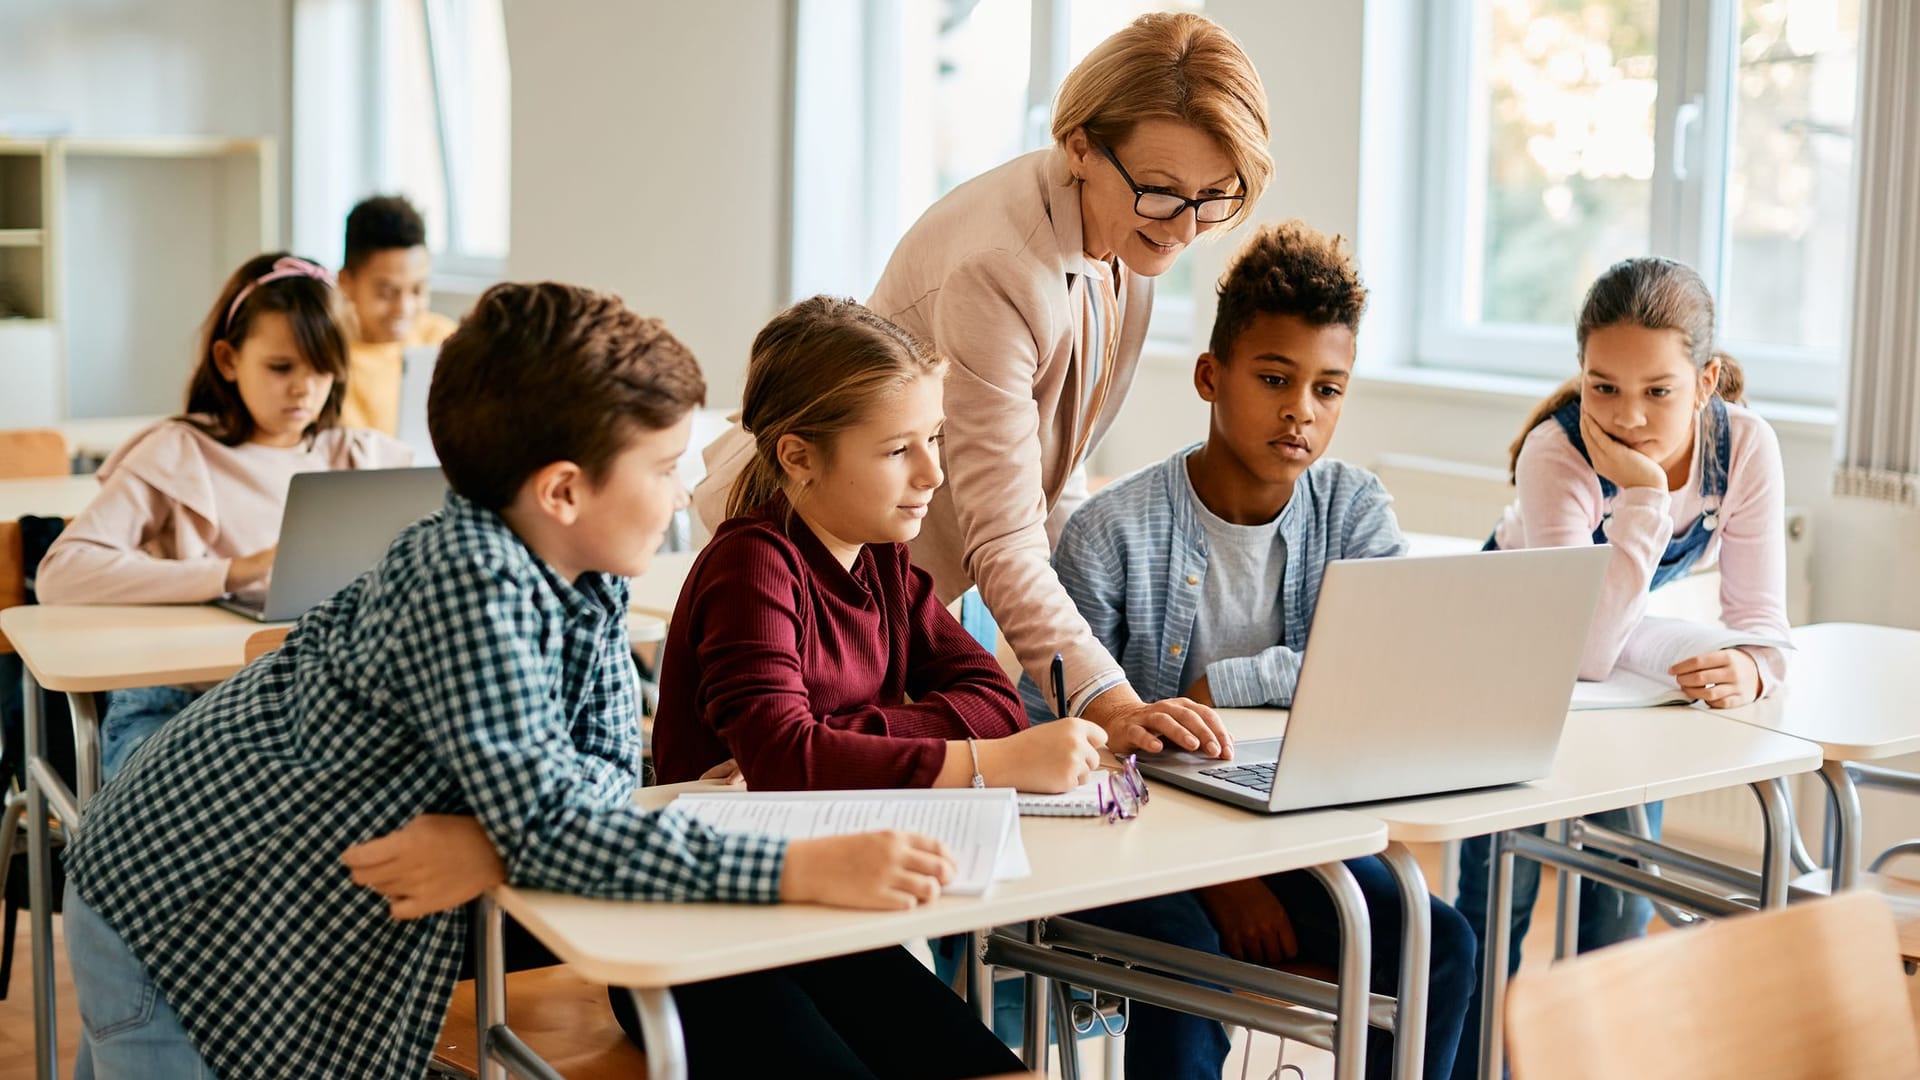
[1033, 1042]
[660, 1027]
[980, 977]
[1069, 1038]
[1566, 932]
[1843, 823]
[1776, 865]
[85, 708]
[1493, 956]
[489, 986]
[46, 1061]
[1416, 963]
[1356, 969]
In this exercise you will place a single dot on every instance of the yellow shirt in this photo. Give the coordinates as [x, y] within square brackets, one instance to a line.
[373, 374]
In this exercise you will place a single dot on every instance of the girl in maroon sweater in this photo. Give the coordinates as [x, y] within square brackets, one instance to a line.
[805, 646]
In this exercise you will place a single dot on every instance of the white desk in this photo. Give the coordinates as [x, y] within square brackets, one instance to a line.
[1179, 842]
[1854, 690]
[52, 496]
[657, 592]
[80, 651]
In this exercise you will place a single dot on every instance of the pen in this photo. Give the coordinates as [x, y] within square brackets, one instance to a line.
[1059, 686]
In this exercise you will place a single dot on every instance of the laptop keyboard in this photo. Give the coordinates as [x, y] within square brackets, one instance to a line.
[1259, 777]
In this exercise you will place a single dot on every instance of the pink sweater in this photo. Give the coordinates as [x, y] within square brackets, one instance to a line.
[176, 507]
[1559, 505]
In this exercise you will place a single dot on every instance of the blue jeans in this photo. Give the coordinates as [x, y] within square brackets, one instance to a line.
[132, 718]
[1607, 915]
[126, 1027]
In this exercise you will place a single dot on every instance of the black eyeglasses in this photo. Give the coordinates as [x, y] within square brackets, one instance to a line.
[1165, 205]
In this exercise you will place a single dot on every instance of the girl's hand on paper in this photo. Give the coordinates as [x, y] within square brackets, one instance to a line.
[433, 863]
[727, 772]
[1723, 678]
[1618, 462]
[885, 871]
[250, 570]
[1253, 926]
[1047, 758]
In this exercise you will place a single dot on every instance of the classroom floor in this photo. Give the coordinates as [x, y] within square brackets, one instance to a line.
[16, 1011]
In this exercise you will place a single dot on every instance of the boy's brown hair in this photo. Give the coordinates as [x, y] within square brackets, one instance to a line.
[1287, 269]
[539, 373]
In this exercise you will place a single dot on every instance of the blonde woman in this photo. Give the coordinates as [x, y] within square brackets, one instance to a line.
[1035, 280]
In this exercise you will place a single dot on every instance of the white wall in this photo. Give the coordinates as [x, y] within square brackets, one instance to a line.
[649, 158]
[142, 242]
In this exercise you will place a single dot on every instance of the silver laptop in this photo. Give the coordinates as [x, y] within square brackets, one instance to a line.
[416, 377]
[1422, 675]
[337, 525]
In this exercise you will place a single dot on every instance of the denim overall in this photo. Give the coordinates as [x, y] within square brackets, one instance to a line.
[1607, 915]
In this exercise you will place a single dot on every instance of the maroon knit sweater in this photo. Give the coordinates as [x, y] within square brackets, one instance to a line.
[814, 677]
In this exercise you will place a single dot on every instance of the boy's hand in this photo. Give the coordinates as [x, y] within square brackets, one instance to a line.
[1724, 678]
[1148, 726]
[885, 871]
[1253, 926]
[1618, 462]
[1048, 758]
[433, 863]
[249, 570]
[727, 772]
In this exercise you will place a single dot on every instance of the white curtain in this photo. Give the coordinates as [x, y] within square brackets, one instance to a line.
[1880, 441]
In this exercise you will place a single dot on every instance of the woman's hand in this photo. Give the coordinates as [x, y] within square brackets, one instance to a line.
[1253, 925]
[884, 871]
[433, 863]
[1048, 758]
[249, 570]
[727, 772]
[1148, 727]
[1618, 462]
[1724, 678]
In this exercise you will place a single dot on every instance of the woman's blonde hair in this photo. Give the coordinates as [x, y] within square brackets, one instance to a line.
[1656, 294]
[816, 370]
[1172, 66]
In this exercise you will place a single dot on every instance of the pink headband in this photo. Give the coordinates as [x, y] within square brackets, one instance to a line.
[286, 266]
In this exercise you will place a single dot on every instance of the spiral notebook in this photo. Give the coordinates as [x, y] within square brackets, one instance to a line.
[1083, 801]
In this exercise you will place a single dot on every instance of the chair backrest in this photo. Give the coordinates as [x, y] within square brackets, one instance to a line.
[1814, 991]
[261, 642]
[33, 452]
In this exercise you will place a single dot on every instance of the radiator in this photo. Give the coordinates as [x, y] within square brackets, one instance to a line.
[1433, 495]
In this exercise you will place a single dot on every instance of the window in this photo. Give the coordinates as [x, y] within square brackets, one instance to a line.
[1567, 134]
[943, 91]
[446, 133]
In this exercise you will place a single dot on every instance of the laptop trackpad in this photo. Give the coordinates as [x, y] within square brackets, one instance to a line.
[1251, 752]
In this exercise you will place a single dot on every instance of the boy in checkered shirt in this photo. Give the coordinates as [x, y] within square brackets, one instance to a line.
[476, 684]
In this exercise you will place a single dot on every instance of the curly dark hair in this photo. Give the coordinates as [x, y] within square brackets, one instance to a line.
[545, 372]
[382, 223]
[1288, 269]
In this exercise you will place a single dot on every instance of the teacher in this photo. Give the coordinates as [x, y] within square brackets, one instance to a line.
[1035, 280]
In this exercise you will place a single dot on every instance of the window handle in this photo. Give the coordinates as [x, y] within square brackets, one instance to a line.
[1685, 119]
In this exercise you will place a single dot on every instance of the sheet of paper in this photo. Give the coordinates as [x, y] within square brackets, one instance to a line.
[978, 827]
[1659, 643]
[1625, 690]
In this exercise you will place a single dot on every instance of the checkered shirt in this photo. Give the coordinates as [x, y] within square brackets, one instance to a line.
[460, 675]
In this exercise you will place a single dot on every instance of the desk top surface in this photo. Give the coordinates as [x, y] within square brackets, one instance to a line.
[1178, 842]
[52, 496]
[78, 648]
[1607, 760]
[1852, 688]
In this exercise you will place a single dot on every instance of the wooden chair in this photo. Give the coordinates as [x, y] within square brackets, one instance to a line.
[264, 641]
[1814, 991]
[559, 1015]
[1902, 895]
[33, 452]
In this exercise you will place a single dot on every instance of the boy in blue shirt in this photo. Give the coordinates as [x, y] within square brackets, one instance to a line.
[223, 913]
[1200, 576]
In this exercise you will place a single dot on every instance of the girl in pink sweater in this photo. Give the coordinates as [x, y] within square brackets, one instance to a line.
[1647, 449]
[189, 508]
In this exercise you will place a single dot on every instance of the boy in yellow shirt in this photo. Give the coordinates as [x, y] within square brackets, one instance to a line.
[385, 280]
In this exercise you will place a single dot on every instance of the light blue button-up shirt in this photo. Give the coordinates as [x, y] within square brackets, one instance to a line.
[1134, 559]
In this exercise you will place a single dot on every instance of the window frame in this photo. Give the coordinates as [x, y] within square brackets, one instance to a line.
[1696, 50]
